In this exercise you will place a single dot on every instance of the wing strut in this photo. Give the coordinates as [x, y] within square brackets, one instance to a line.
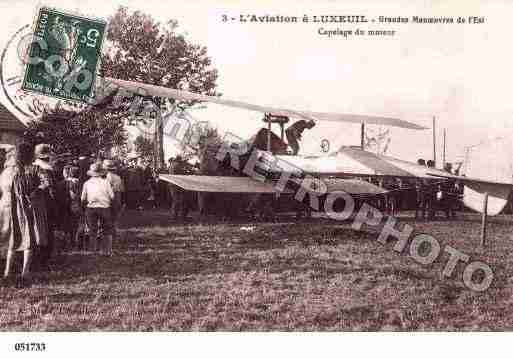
[362, 137]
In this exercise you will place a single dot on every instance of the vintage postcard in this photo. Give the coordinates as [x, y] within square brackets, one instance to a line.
[226, 166]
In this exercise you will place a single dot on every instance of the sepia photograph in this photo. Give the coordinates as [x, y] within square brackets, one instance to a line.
[277, 169]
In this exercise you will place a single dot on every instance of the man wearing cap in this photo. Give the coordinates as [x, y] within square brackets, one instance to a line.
[49, 217]
[118, 188]
[97, 198]
[295, 131]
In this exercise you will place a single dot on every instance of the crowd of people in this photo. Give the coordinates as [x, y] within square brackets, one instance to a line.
[427, 197]
[80, 198]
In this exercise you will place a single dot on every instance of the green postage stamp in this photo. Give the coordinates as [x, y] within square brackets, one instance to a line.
[64, 55]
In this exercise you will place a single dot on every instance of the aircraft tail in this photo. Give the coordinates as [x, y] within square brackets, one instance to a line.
[490, 161]
[498, 195]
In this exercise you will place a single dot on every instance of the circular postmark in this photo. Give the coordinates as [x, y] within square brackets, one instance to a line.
[12, 67]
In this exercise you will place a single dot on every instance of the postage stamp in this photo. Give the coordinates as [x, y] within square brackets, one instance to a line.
[64, 55]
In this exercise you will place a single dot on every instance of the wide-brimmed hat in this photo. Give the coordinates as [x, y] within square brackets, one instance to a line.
[43, 151]
[109, 165]
[96, 170]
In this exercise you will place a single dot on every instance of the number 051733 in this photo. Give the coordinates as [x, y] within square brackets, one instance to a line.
[30, 347]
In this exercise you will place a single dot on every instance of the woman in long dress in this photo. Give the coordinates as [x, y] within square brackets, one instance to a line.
[19, 184]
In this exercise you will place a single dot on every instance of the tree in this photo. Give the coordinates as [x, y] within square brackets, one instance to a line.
[84, 132]
[141, 49]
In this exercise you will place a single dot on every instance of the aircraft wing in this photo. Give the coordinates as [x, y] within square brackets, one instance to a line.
[160, 91]
[226, 184]
[466, 179]
[218, 184]
[354, 162]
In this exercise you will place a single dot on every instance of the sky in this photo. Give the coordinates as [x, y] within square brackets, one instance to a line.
[458, 73]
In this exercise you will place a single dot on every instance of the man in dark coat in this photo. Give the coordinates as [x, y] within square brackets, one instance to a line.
[42, 153]
[180, 202]
[295, 131]
[135, 185]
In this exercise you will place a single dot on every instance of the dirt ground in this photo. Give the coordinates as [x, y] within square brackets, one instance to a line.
[286, 276]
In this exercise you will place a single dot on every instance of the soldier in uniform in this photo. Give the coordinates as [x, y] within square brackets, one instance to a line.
[431, 192]
[295, 131]
[421, 205]
[425, 194]
[448, 200]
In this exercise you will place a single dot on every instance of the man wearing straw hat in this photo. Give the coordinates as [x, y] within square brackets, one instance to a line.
[97, 198]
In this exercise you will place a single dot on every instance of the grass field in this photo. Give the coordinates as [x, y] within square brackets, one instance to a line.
[270, 276]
